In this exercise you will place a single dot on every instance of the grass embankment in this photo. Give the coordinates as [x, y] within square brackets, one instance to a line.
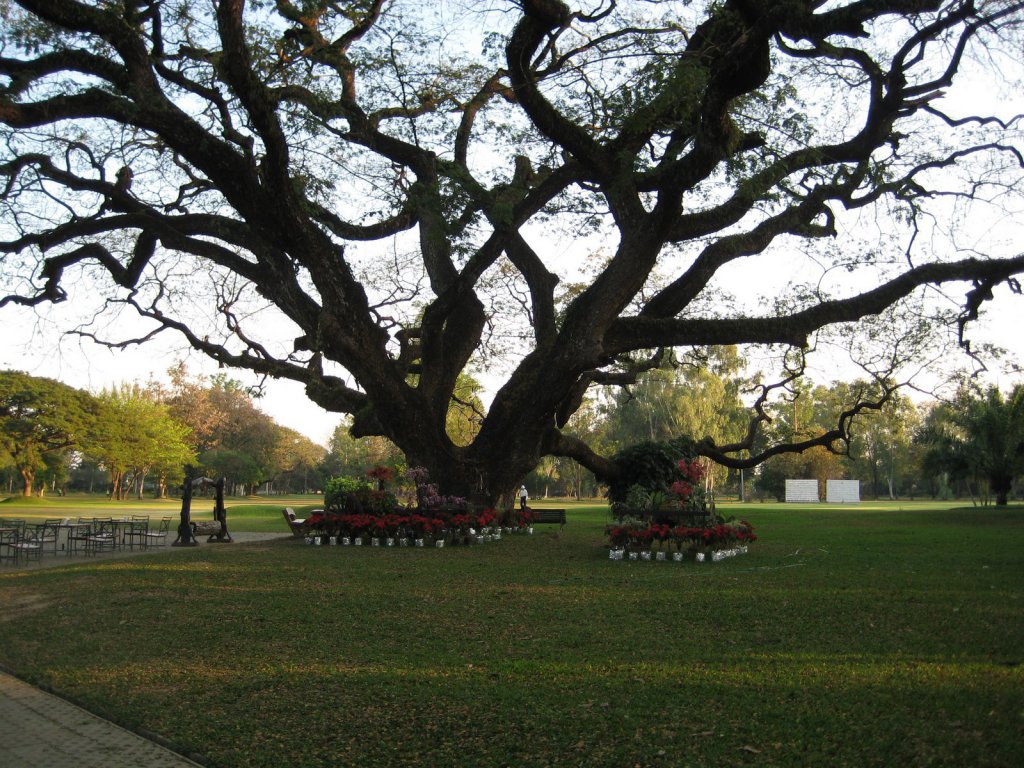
[859, 636]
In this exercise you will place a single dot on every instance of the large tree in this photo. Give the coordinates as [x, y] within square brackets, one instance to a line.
[296, 460]
[979, 437]
[407, 192]
[137, 435]
[41, 420]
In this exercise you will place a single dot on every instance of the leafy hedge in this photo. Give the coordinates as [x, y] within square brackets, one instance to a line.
[651, 465]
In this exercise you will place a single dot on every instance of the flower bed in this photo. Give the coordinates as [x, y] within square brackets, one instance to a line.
[641, 540]
[363, 512]
[405, 528]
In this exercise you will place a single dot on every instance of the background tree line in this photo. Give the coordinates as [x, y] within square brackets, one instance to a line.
[134, 438]
[138, 438]
[971, 446]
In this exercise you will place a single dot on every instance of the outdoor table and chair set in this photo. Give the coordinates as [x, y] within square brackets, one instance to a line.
[21, 540]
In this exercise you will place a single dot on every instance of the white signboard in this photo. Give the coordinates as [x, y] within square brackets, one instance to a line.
[842, 491]
[802, 491]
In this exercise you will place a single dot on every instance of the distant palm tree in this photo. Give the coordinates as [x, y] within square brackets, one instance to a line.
[982, 437]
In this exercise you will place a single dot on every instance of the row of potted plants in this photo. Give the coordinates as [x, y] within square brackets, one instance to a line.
[414, 528]
[640, 539]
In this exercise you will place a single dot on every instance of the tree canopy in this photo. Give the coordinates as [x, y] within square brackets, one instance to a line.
[565, 199]
[979, 438]
[137, 435]
[40, 419]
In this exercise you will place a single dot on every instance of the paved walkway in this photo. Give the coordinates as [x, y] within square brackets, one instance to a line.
[55, 561]
[40, 730]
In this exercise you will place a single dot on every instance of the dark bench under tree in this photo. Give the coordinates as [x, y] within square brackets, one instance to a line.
[548, 517]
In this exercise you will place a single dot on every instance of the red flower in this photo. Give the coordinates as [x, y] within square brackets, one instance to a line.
[381, 473]
[618, 535]
[682, 489]
[693, 470]
[419, 524]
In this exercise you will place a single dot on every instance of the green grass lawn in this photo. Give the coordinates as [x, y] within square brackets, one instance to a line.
[860, 636]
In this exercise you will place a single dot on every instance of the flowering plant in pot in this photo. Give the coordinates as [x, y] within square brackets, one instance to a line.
[316, 522]
[640, 541]
[661, 535]
[459, 527]
[624, 534]
[689, 489]
[524, 518]
[618, 536]
[486, 518]
[419, 526]
[686, 538]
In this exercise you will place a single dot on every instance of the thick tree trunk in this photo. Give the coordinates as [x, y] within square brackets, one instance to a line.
[1001, 486]
[115, 484]
[28, 477]
[458, 472]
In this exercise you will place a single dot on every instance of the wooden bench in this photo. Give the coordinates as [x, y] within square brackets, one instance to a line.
[692, 518]
[689, 519]
[295, 524]
[548, 517]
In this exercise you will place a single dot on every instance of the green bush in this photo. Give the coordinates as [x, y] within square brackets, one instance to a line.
[650, 465]
[339, 488]
[349, 494]
[638, 498]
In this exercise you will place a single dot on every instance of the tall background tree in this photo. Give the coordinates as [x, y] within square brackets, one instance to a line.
[231, 436]
[137, 436]
[297, 460]
[402, 195]
[883, 452]
[41, 421]
[978, 440]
